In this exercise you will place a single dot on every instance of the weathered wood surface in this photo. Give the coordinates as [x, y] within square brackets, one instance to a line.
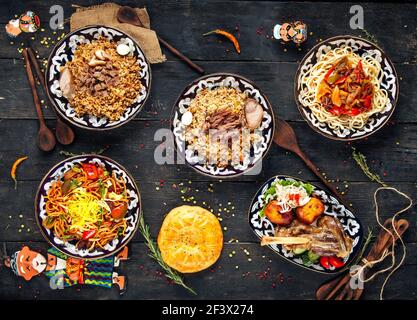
[391, 152]
[266, 277]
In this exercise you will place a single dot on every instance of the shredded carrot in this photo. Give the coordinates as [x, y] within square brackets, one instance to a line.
[14, 168]
[228, 35]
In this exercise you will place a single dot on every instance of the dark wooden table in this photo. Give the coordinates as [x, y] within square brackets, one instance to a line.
[392, 152]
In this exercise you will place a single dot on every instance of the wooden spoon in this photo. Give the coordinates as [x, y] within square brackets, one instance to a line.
[128, 15]
[64, 133]
[285, 137]
[46, 139]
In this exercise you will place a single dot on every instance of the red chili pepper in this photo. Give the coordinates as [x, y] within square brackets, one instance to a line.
[337, 111]
[91, 171]
[360, 65]
[353, 112]
[88, 234]
[228, 35]
[341, 80]
[336, 262]
[324, 261]
[328, 73]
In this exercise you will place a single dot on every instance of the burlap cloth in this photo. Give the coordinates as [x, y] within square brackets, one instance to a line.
[106, 14]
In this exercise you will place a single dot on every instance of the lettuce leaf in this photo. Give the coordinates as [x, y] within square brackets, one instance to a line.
[307, 186]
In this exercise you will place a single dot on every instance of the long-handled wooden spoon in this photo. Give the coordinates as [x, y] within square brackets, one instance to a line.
[46, 139]
[285, 138]
[128, 15]
[64, 133]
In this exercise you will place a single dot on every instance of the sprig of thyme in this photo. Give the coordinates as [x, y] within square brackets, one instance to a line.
[369, 237]
[369, 36]
[155, 254]
[72, 154]
[361, 161]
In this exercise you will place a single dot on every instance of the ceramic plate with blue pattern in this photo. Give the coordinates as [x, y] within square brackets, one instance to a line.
[262, 226]
[388, 81]
[258, 149]
[64, 51]
[132, 216]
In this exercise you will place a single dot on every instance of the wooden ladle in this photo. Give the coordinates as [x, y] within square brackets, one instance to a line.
[46, 139]
[128, 15]
[64, 133]
[285, 137]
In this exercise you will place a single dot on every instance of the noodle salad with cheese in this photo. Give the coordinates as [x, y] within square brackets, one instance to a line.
[87, 205]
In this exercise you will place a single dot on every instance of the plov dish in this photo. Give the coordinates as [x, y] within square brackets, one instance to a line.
[98, 78]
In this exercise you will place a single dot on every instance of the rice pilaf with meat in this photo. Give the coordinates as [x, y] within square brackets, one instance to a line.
[219, 130]
[105, 83]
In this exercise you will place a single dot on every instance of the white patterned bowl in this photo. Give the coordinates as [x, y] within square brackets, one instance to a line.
[132, 216]
[64, 51]
[333, 208]
[267, 126]
[389, 82]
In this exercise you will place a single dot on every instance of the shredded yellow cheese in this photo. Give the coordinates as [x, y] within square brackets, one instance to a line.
[84, 209]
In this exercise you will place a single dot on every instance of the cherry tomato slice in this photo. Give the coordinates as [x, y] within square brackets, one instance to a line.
[100, 172]
[119, 212]
[324, 261]
[336, 262]
[91, 171]
[88, 234]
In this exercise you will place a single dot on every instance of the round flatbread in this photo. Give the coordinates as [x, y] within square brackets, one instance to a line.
[190, 239]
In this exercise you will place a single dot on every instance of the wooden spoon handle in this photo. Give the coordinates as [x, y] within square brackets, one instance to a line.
[33, 88]
[325, 289]
[180, 55]
[316, 171]
[37, 67]
[401, 226]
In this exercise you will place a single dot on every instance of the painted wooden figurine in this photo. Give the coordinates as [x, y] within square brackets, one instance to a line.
[293, 31]
[64, 271]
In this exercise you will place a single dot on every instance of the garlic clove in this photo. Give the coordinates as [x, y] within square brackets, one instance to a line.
[95, 62]
[101, 55]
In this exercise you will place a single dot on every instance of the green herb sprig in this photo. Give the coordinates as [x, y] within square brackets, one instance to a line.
[155, 254]
[369, 237]
[361, 161]
[369, 36]
[72, 154]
